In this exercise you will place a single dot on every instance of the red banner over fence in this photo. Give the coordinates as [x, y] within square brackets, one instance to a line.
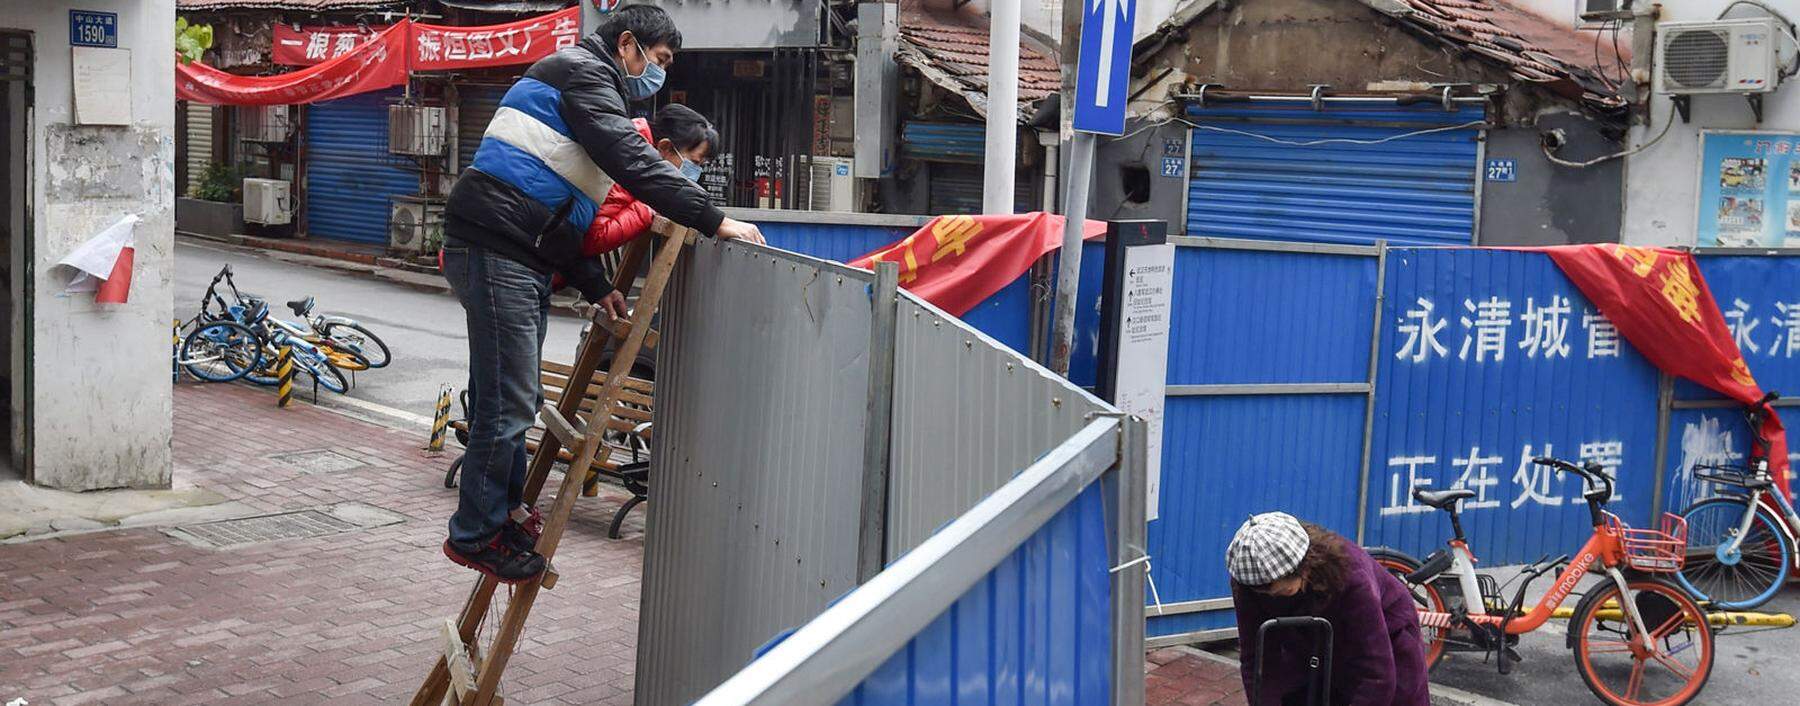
[374, 65]
[954, 262]
[1658, 301]
[344, 61]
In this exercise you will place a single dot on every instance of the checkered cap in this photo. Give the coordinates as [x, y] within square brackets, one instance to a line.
[1267, 547]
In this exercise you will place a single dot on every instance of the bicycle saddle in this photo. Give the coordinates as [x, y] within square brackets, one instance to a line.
[1442, 499]
[301, 307]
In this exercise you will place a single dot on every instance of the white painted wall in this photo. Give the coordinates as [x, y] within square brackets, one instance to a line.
[100, 374]
[1662, 183]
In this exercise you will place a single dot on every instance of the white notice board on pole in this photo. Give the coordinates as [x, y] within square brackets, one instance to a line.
[1143, 346]
[101, 79]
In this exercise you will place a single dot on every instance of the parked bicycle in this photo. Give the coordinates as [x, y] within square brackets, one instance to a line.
[1740, 545]
[1637, 638]
[217, 347]
[340, 332]
[321, 349]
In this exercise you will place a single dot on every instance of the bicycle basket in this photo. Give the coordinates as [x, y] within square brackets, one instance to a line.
[1661, 550]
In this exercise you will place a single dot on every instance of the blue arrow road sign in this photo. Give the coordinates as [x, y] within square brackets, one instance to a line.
[1103, 74]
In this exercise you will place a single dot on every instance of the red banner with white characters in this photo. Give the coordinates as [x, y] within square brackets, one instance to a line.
[371, 66]
[306, 46]
[1658, 300]
[955, 262]
[344, 61]
[439, 47]
[443, 48]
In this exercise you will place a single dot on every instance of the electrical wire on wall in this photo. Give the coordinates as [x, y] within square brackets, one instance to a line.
[1291, 143]
[1553, 139]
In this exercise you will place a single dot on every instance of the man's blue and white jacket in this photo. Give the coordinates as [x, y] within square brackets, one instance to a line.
[558, 142]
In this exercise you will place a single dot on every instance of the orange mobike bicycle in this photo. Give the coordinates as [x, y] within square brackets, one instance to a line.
[1654, 648]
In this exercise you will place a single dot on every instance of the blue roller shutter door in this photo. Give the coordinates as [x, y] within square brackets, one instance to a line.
[1354, 173]
[349, 174]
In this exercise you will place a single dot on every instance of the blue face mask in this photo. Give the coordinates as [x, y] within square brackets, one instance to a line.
[645, 84]
[691, 170]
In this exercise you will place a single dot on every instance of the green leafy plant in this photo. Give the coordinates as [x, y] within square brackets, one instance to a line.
[218, 183]
[191, 41]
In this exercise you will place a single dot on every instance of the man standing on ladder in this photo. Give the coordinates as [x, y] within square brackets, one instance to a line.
[559, 141]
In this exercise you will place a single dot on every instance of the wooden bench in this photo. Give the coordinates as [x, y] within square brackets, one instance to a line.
[625, 457]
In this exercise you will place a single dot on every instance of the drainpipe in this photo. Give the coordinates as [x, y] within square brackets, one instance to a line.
[1003, 107]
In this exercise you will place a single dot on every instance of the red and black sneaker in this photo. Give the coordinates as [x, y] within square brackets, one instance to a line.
[494, 558]
[523, 536]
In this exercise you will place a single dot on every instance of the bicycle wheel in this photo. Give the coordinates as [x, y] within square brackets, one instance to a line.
[353, 337]
[1734, 580]
[220, 351]
[1427, 596]
[327, 376]
[1619, 666]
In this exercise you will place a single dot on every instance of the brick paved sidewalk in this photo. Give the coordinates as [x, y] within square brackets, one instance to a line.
[1186, 677]
[138, 616]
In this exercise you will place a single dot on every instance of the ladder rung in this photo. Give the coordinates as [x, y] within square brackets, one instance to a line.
[619, 330]
[549, 580]
[571, 434]
[462, 672]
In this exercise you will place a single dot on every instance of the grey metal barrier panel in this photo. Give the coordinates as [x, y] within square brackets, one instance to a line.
[760, 411]
[968, 414]
[878, 643]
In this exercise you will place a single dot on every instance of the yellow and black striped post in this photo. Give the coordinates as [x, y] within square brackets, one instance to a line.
[284, 369]
[440, 420]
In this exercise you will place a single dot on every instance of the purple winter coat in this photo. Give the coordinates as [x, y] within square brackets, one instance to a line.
[1378, 658]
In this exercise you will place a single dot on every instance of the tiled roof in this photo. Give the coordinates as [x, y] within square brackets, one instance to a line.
[314, 5]
[1532, 49]
[949, 47]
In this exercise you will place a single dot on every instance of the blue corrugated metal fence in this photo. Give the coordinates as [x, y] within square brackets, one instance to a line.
[1036, 630]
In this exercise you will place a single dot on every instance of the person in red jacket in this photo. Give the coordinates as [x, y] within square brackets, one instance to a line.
[686, 140]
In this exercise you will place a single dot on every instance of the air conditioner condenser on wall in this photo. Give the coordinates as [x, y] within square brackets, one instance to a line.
[1736, 56]
[268, 202]
[831, 185]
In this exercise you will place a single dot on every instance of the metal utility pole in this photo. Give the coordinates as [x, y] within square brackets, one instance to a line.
[1079, 147]
[1003, 107]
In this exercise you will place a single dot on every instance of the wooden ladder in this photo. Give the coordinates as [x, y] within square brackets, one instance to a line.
[463, 674]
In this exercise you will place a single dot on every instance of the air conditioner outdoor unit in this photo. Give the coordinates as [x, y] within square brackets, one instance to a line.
[268, 201]
[1723, 56]
[830, 185]
[415, 225]
[265, 123]
[416, 130]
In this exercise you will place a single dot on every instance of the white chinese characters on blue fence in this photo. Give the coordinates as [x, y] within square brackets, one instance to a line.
[1781, 342]
[1531, 483]
[1544, 330]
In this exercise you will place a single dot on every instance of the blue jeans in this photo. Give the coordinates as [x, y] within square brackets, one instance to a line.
[506, 304]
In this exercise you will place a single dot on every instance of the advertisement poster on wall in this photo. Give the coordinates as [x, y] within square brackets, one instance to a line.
[1749, 189]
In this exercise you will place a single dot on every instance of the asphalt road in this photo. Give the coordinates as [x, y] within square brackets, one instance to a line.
[1751, 666]
[424, 329]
